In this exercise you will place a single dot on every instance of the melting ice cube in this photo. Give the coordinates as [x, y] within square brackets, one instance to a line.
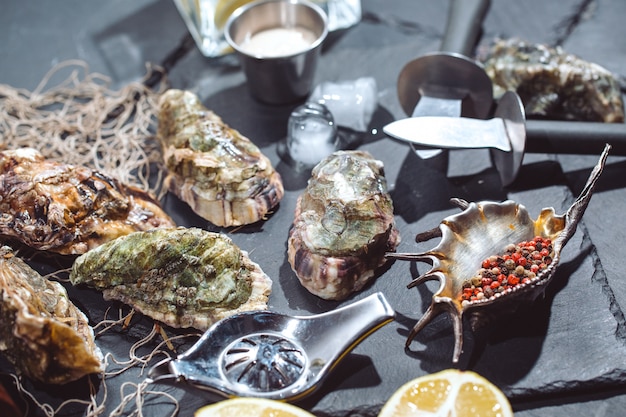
[311, 134]
[352, 103]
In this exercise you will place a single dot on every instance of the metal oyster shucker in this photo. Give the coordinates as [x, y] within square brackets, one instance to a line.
[508, 135]
[448, 83]
[270, 355]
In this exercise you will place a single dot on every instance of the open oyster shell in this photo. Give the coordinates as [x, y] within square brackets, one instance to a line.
[220, 173]
[183, 277]
[479, 231]
[42, 332]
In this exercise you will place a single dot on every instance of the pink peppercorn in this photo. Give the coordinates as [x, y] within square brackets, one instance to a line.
[522, 261]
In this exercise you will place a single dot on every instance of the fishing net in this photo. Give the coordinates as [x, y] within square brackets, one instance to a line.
[74, 116]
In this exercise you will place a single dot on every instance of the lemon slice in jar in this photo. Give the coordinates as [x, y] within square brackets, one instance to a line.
[448, 393]
[251, 407]
[223, 10]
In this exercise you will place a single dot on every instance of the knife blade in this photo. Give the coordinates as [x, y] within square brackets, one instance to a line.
[450, 132]
[542, 136]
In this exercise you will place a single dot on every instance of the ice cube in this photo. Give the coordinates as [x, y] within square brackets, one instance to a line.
[311, 134]
[352, 103]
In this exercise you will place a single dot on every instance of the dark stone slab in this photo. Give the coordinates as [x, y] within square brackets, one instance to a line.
[561, 356]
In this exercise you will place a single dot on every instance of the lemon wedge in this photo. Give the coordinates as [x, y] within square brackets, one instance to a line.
[251, 407]
[448, 393]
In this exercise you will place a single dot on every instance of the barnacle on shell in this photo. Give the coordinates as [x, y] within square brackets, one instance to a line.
[483, 229]
[43, 334]
[343, 225]
[183, 277]
[554, 84]
[220, 173]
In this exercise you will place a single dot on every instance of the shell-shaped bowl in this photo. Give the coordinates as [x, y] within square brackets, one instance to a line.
[480, 231]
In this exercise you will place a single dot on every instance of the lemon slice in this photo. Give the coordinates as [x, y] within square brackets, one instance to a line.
[448, 393]
[251, 407]
[223, 10]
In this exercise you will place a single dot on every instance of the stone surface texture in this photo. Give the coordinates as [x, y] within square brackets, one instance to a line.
[564, 355]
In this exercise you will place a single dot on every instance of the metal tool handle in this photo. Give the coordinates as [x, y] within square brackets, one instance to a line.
[465, 19]
[569, 137]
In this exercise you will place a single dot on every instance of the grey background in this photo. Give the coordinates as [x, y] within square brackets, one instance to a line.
[563, 356]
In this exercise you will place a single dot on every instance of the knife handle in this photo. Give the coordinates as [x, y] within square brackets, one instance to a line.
[548, 136]
[465, 19]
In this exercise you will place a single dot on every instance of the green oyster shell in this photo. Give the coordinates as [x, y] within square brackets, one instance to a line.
[343, 226]
[345, 204]
[220, 173]
[183, 277]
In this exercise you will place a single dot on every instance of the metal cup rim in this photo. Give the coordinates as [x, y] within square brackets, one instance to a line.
[246, 7]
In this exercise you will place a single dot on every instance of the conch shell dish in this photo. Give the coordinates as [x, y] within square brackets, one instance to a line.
[480, 231]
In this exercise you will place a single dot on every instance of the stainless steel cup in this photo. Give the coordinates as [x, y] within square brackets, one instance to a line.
[278, 79]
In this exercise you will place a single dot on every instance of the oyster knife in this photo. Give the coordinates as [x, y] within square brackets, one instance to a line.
[509, 135]
[542, 136]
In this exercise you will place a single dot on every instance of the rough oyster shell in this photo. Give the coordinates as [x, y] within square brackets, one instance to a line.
[42, 333]
[181, 277]
[554, 84]
[68, 209]
[343, 225]
[220, 173]
[479, 231]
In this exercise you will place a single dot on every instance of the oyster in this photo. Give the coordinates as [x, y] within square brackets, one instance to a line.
[478, 232]
[554, 84]
[42, 333]
[220, 173]
[183, 277]
[343, 225]
[68, 209]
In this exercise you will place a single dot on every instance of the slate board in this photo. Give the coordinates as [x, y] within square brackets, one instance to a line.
[562, 355]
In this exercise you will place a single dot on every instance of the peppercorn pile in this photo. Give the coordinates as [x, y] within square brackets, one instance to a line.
[518, 265]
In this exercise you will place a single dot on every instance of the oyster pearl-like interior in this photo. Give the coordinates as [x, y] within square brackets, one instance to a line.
[481, 230]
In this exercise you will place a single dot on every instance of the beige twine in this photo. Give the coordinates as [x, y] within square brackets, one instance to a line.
[81, 121]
